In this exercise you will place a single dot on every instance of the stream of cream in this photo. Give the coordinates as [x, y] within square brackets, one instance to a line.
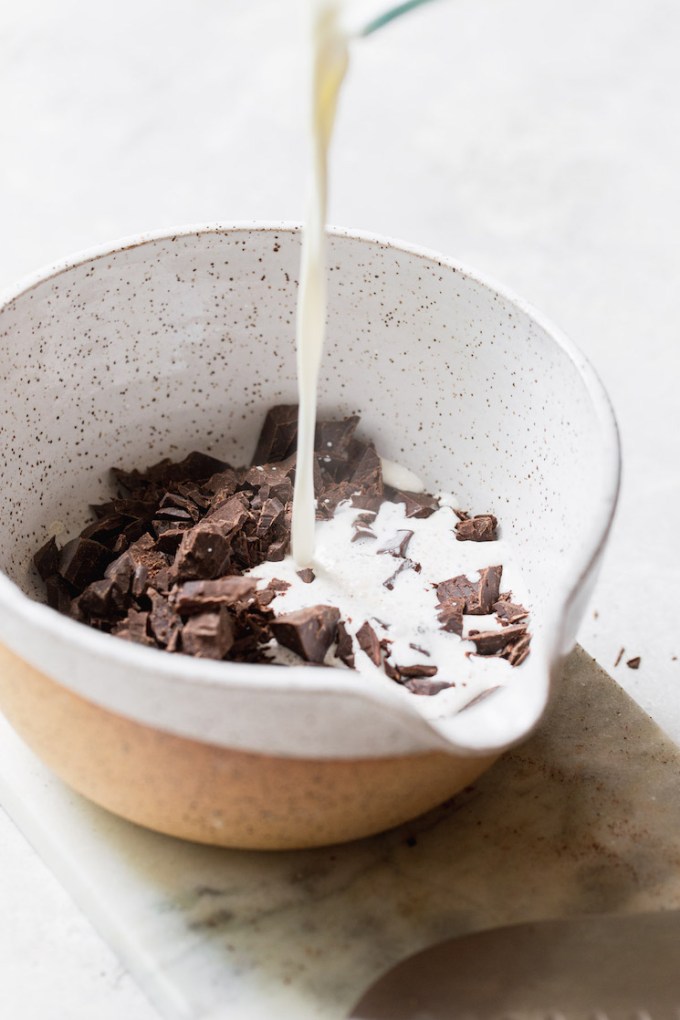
[330, 58]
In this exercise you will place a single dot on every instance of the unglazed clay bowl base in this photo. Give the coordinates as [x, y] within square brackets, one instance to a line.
[212, 794]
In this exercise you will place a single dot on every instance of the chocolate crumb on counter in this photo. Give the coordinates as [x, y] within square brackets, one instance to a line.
[634, 663]
[619, 657]
[163, 561]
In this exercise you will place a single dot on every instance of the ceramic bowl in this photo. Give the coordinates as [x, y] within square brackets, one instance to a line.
[172, 342]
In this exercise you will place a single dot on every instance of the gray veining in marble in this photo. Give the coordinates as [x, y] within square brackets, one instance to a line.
[582, 818]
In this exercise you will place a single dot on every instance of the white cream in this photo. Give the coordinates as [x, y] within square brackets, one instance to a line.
[350, 576]
[330, 57]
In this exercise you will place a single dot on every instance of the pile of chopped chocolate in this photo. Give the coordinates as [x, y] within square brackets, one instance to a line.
[162, 563]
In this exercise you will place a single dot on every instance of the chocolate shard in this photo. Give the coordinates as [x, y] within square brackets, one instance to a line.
[168, 539]
[518, 651]
[278, 438]
[345, 646]
[222, 485]
[450, 615]
[164, 623]
[134, 628]
[204, 552]
[634, 663]
[492, 642]
[277, 550]
[362, 525]
[46, 559]
[481, 528]
[209, 635]
[416, 504]
[397, 544]
[368, 642]
[199, 596]
[230, 515]
[120, 571]
[417, 671]
[275, 478]
[428, 688]
[59, 597]
[306, 574]
[144, 553]
[82, 561]
[308, 632]
[406, 565]
[333, 442]
[106, 529]
[366, 469]
[102, 599]
[480, 596]
[510, 612]
[271, 515]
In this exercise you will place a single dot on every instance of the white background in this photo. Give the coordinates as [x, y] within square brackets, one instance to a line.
[535, 140]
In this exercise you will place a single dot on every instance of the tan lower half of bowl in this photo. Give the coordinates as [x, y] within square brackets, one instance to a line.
[211, 794]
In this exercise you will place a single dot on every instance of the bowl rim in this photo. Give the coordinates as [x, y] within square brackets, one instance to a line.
[311, 679]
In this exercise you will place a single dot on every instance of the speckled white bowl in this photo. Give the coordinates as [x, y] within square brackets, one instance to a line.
[173, 342]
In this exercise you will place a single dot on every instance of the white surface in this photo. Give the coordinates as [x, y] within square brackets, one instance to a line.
[538, 141]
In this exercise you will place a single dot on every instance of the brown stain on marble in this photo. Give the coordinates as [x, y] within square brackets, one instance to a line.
[216, 795]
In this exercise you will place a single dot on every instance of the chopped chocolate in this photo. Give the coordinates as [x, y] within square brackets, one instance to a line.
[634, 663]
[479, 596]
[134, 628]
[277, 550]
[482, 528]
[164, 623]
[406, 565]
[103, 599]
[397, 544]
[278, 438]
[510, 612]
[199, 596]
[362, 525]
[306, 574]
[516, 653]
[491, 642]
[204, 552]
[369, 643]
[450, 615]
[46, 559]
[421, 685]
[144, 553]
[417, 671]
[169, 538]
[366, 469]
[416, 504]
[333, 442]
[59, 597]
[269, 519]
[462, 515]
[619, 656]
[82, 561]
[208, 635]
[345, 647]
[308, 632]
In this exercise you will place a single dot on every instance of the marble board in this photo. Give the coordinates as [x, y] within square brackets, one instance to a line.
[584, 817]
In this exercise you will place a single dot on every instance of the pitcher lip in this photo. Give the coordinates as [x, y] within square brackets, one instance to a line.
[187, 669]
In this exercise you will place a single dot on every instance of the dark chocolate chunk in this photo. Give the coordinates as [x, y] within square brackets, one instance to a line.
[416, 671]
[278, 438]
[366, 469]
[82, 561]
[308, 632]
[517, 652]
[634, 663]
[46, 559]
[369, 643]
[275, 479]
[199, 596]
[209, 635]
[510, 612]
[406, 565]
[481, 528]
[120, 571]
[332, 445]
[416, 504]
[277, 550]
[397, 544]
[103, 599]
[204, 552]
[450, 615]
[144, 553]
[480, 596]
[59, 597]
[164, 623]
[345, 647]
[134, 628]
[490, 642]
[421, 685]
[306, 574]
[271, 515]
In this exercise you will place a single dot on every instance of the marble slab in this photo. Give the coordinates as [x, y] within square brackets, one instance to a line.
[584, 817]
